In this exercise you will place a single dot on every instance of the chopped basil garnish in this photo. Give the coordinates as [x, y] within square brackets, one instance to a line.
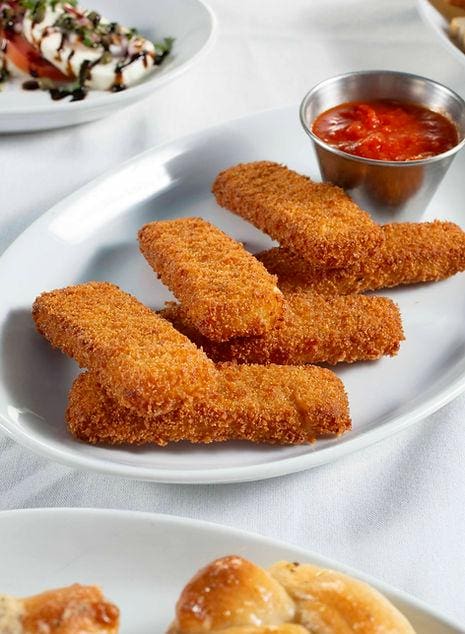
[166, 46]
[38, 7]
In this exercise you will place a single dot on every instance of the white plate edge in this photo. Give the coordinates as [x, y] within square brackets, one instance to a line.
[145, 516]
[231, 474]
[135, 93]
[423, 8]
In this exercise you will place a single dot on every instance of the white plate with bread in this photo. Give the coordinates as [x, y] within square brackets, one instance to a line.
[142, 562]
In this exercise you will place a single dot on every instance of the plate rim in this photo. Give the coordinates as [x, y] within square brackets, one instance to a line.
[247, 473]
[423, 8]
[216, 527]
[134, 93]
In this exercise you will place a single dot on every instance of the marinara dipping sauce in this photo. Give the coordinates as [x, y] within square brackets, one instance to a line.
[386, 130]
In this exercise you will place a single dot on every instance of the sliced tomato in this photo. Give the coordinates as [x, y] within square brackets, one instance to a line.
[25, 57]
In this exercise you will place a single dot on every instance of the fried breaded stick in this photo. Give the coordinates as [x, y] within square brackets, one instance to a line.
[226, 291]
[314, 329]
[411, 253]
[140, 358]
[274, 404]
[69, 610]
[316, 220]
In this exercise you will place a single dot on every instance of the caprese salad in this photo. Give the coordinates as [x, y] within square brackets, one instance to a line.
[56, 45]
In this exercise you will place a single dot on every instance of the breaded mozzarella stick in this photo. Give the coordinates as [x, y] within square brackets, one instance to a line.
[226, 291]
[411, 253]
[316, 220]
[144, 363]
[273, 404]
[314, 329]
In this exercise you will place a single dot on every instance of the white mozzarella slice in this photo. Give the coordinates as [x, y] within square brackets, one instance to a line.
[69, 56]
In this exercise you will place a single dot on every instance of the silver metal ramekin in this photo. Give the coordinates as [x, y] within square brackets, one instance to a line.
[392, 191]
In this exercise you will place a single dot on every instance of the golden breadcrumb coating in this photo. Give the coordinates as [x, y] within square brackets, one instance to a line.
[73, 610]
[144, 363]
[314, 329]
[274, 404]
[316, 220]
[411, 253]
[226, 291]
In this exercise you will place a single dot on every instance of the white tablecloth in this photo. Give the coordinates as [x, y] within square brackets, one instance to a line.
[395, 510]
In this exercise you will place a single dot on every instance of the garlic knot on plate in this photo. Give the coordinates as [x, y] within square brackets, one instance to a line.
[234, 596]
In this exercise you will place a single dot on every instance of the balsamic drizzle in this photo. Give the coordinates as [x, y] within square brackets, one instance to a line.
[118, 84]
[4, 74]
[69, 68]
[76, 94]
[61, 47]
[30, 84]
[78, 90]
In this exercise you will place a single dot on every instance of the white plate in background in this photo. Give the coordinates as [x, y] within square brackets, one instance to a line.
[93, 235]
[190, 22]
[440, 26]
[142, 561]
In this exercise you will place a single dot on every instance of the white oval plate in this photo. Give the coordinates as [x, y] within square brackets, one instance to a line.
[190, 22]
[142, 561]
[440, 26]
[92, 235]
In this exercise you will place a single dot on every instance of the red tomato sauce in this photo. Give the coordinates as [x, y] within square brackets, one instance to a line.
[386, 130]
